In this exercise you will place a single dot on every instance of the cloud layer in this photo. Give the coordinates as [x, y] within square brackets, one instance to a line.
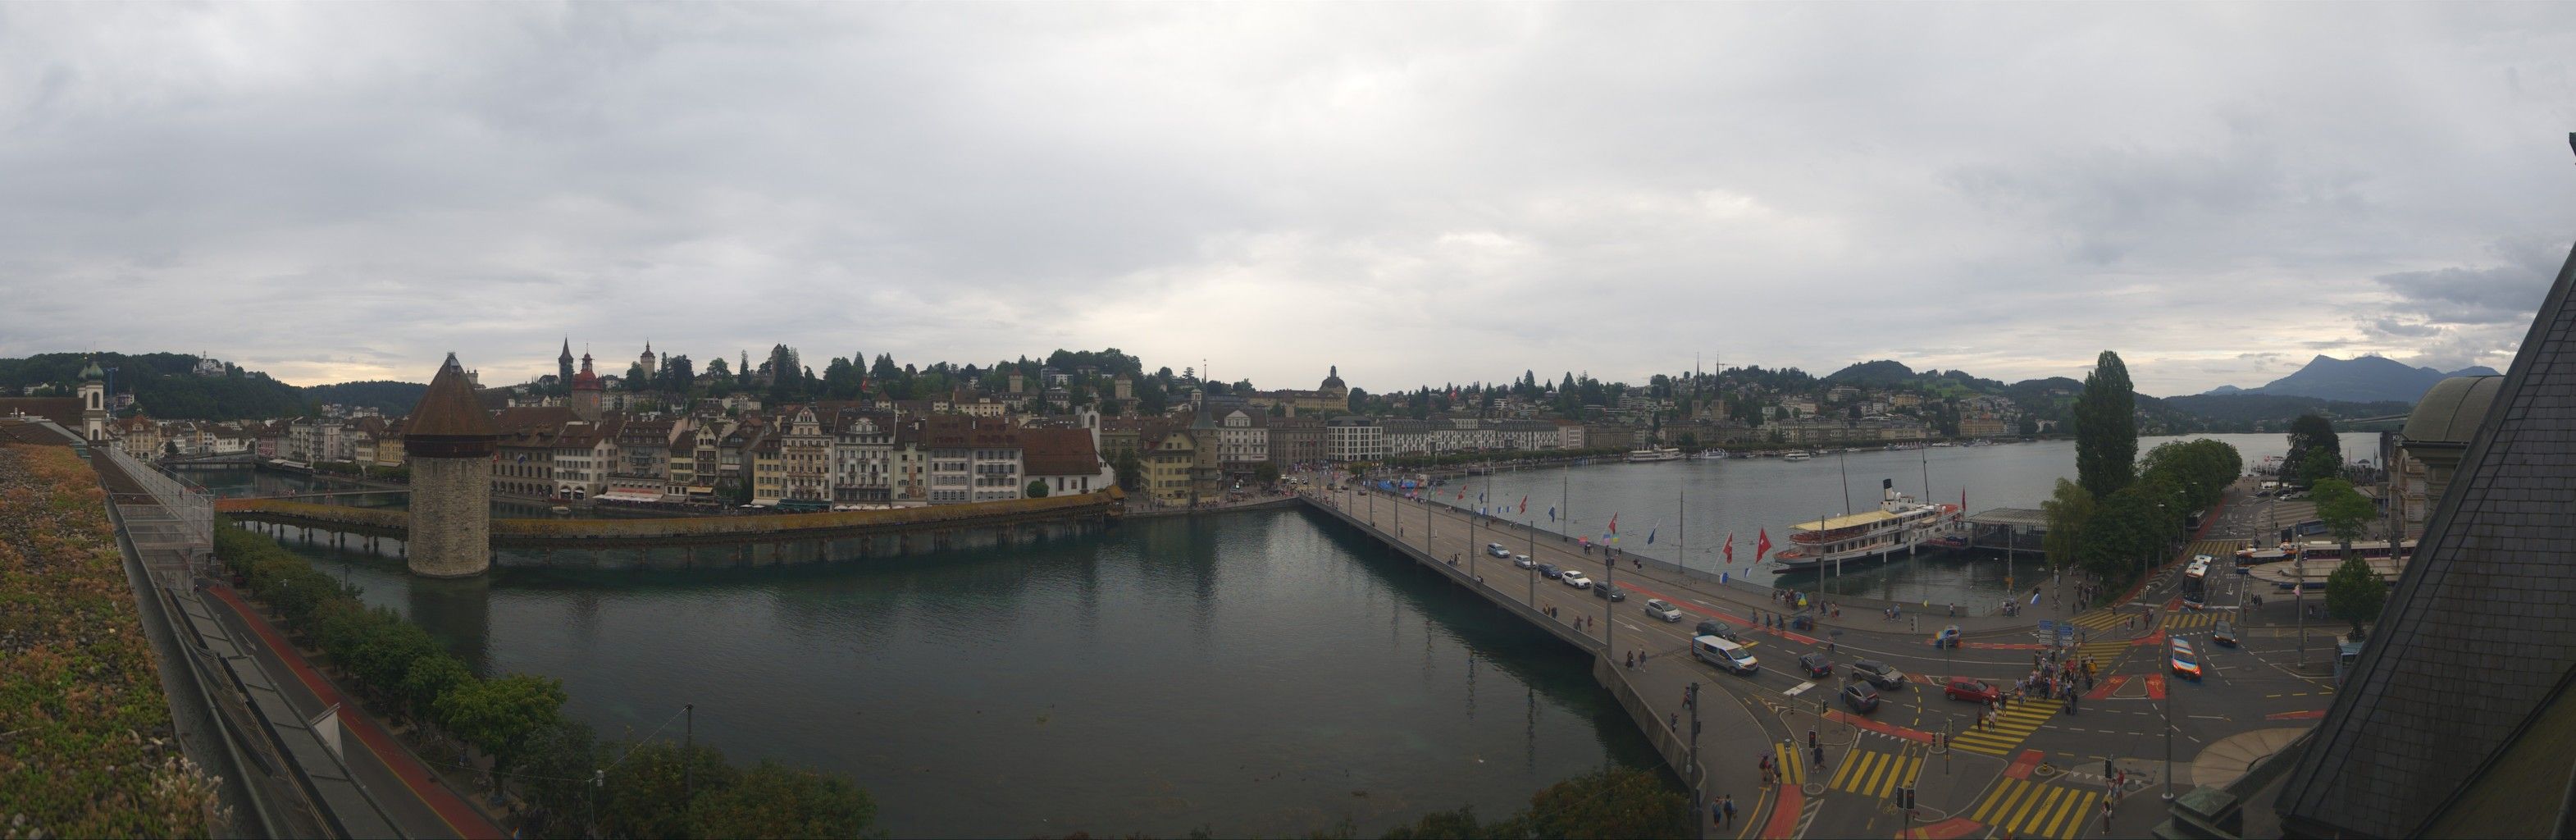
[1414, 193]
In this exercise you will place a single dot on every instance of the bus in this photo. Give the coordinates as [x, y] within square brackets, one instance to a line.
[2195, 583]
[2371, 550]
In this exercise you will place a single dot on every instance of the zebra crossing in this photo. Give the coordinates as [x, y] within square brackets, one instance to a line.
[2103, 653]
[2018, 721]
[1791, 761]
[2189, 621]
[2100, 620]
[2023, 808]
[1877, 774]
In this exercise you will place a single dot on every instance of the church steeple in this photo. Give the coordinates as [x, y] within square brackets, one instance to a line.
[563, 364]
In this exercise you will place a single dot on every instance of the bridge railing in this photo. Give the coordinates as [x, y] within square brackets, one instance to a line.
[169, 512]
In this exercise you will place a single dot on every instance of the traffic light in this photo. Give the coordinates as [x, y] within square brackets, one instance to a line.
[1905, 798]
[1690, 696]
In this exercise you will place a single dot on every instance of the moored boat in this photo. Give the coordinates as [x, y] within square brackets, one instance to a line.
[1654, 453]
[1900, 523]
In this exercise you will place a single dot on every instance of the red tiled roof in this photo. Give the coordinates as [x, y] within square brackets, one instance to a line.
[1058, 452]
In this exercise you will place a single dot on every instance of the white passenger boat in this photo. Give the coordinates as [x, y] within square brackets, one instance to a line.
[1654, 453]
[1899, 523]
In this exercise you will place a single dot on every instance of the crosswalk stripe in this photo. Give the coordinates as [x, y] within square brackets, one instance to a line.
[2069, 817]
[2034, 809]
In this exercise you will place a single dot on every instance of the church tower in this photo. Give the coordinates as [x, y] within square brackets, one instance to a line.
[93, 397]
[563, 364]
[647, 363]
[585, 392]
[450, 441]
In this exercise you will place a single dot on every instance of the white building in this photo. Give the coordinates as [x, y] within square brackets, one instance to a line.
[1354, 439]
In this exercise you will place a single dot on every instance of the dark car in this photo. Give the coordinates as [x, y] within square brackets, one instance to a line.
[1816, 665]
[1879, 674]
[1860, 697]
[1720, 629]
[1550, 571]
[2225, 634]
[1611, 592]
[1974, 691]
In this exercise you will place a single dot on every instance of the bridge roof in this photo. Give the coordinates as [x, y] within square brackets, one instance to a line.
[448, 408]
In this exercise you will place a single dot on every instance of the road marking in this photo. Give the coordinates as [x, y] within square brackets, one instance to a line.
[1794, 690]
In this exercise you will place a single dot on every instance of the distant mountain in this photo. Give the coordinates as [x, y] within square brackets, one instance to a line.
[2239, 410]
[2366, 379]
[392, 398]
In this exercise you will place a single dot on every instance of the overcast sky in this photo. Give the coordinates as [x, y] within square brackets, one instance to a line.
[1414, 192]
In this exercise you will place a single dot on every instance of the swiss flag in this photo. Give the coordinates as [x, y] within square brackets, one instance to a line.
[1763, 547]
[1730, 548]
[1614, 523]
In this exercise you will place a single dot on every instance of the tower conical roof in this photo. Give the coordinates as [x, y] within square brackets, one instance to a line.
[448, 408]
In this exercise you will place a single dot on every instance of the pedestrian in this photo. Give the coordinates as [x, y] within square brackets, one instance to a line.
[1820, 759]
[2106, 815]
[1675, 719]
[1726, 805]
[1629, 661]
[1766, 769]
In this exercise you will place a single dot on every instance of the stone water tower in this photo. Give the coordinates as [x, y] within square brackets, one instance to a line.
[450, 441]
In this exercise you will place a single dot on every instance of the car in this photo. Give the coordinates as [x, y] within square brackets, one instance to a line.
[1549, 571]
[2186, 660]
[1973, 691]
[2225, 634]
[1663, 609]
[1497, 550]
[1575, 578]
[1860, 697]
[1610, 591]
[2263, 493]
[1949, 637]
[1725, 654]
[1523, 561]
[1878, 674]
[1816, 665]
[1720, 629]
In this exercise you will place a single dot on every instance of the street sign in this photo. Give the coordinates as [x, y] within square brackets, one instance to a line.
[2065, 633]
[2047, 626]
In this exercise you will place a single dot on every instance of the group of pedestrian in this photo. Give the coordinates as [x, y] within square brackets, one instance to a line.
[1636, 658]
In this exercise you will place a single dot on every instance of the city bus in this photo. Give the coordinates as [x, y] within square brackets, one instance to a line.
[2195, 583]
[2371, 550]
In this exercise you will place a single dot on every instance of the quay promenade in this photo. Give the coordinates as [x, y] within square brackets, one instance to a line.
[1865, 758]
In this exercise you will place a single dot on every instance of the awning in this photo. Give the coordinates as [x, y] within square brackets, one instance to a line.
[623, 496]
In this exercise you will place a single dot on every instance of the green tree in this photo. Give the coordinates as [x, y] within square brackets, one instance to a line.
[1265, 473]
[2309, 433]
[2319, 465]
[772, 800]
[2069, 510]
[1460, 824]
[2347, 514]
[499, 714]
[2106, 428]
[644, 788]
[555, 778]
[429, 678]
[1618, 802]
[1037, 488]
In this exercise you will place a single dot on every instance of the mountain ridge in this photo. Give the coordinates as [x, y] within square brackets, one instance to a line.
[2361, 379]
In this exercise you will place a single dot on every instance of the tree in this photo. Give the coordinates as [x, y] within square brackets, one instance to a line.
[1460, 824]
[2319, 465]
[644, 795]
[1131, 471]
[2309, 433]
[499, 714]
[2068, 509]
[2354, 592]
[2106, 428]
[1037, 488]
[2346, 513]
[1265, 473]
[772, 800]
[1618, 802]
[429, 678]
[556, 778]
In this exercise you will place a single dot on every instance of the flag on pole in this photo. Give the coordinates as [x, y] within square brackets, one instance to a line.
[2034, 597]
[1614, 523]
[1730, 548]
[1524, 504]
[1480, 497]
[1551, 513]
[1650, 532]
[1763, 547]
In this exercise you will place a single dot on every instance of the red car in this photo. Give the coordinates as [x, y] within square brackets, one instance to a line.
[1970, 690]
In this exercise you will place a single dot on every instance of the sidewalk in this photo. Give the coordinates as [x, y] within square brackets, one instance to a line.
[429, 809]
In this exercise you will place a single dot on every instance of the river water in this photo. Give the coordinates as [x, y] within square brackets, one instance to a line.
[1264, 673]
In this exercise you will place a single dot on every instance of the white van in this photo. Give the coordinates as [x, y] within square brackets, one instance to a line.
[1724, 654]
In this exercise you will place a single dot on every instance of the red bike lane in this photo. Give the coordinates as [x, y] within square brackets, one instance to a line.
[459, 816]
